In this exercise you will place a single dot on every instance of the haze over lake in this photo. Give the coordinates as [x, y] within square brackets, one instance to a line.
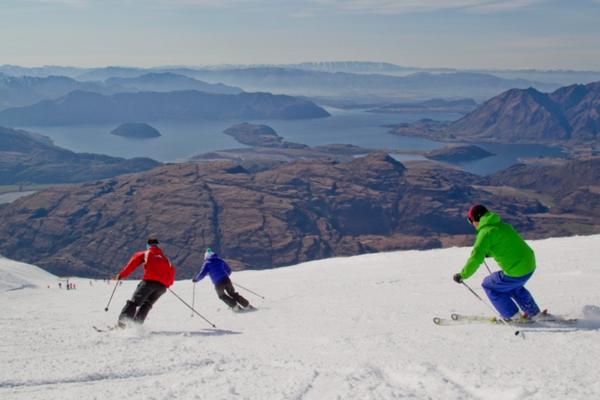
[181, 140]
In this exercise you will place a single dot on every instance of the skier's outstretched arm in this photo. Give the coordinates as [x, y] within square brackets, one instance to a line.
[136, 261]
[480, 249]
[202, 273]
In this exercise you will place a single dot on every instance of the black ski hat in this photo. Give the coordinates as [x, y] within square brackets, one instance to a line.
[152, 241]
[476, 212]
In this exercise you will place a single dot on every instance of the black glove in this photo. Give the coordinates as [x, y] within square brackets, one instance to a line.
[457, 278]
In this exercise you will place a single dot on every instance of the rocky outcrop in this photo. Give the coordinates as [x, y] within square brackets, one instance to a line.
[291, 213]
[27, 158]
[136, 130]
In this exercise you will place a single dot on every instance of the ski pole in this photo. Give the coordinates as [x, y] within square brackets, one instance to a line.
[248, 290]
[111, 296]
[191, 308]
[488, 268]
[193, 298]
[489, 306]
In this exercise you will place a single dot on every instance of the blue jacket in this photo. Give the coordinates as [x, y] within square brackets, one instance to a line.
[216, 268]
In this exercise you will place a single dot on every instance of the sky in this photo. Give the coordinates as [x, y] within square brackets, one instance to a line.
[509, 34]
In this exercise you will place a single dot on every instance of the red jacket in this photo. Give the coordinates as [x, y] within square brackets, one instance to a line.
[157, 266]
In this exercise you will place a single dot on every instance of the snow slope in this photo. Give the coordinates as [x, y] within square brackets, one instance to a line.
[16, 275]
[344, 328]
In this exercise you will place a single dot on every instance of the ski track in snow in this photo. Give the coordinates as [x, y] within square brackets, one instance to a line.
[345, 328]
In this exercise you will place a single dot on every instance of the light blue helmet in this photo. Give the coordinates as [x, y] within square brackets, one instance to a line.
[208, 253]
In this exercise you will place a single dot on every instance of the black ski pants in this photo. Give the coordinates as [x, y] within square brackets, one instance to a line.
[228, 294]
[144, 297]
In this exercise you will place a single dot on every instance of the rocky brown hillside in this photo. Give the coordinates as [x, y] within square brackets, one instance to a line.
[528, 116]
[572, 186]
[558, 177]
[27, 158]
[294, 212]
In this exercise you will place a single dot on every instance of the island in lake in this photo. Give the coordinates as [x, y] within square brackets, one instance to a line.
[458, 153]
[136, 130]
[260, 136]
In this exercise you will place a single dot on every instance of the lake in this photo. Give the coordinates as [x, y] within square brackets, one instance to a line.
[181, 140]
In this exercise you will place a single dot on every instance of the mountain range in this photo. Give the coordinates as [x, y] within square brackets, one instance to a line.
[557, 76]
[81, 107]
[422, 85]
[168, 82]
[357, 81]
[26, 90]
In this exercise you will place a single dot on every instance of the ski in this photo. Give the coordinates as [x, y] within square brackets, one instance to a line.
[461, 319]
[241, 310]
[107, 329]
[554, 319]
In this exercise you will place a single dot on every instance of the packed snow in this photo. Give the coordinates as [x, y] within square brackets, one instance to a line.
[343, 328]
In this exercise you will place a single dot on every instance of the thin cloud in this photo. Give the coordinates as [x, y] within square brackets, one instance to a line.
[74, 3]
[409, 6]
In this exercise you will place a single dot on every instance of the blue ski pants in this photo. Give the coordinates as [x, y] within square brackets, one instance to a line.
[504, 291]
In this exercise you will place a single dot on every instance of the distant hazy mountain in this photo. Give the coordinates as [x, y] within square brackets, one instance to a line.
[30, 158]
[561, 77]
[103, 73]
[40, 72]
[556, 77]
[570, 113]
[462, 106]
[27, 90]
[86, 107]
[346, 79]
[318, 83]
[355, 67]
[168, 82]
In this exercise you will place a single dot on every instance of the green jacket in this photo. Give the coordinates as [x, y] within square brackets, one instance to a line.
[500, 240]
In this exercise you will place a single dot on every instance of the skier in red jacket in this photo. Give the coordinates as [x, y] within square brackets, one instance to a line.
[159, 274]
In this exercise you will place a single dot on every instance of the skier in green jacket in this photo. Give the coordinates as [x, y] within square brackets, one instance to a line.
[499, 240]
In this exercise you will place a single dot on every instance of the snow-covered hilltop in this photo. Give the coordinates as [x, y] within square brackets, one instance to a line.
[344, 328]
[16, 275]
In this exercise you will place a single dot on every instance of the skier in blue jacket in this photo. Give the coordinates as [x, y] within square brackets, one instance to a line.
[219, 272]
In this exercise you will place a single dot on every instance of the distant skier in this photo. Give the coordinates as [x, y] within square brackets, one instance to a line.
[159, 274]
[517, 260]
[219, 272]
